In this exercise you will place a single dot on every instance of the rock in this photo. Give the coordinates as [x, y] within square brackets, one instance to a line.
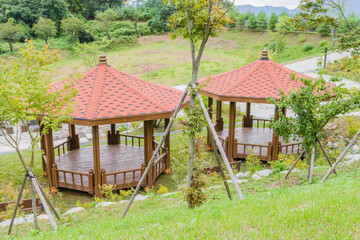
[43, 217]
[140, 197]
[123, 201]
[29, 217]
[255, 177]
[331, 126]
[329, 143]
[104, 204]
[238, 181]
[286, 171]
[349, 162]
[335, 145]
[170, 193]
[6, 223]
[354, 149]
[74, 210]
[264, 173]
[242, 175]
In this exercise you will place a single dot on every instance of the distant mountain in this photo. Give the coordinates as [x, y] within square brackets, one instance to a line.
[267, 9]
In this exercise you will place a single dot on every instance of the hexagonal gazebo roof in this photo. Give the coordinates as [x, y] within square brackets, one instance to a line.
[106, 95]
[252, 83]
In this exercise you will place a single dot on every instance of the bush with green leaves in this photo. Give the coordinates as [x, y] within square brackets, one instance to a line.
[308, 47]
[45, 28]
[11, 32]
[253, 163]
[348, 67]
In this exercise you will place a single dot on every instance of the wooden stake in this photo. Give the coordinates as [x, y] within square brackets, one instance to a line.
[326, 156]
[48, 201]
[166, 132]
[311, 167]
[294, 164]
[33, 203]
[218, 143]
[217, 156]
[341, 157]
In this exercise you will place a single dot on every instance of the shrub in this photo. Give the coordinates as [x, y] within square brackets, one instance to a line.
[194, 195]
[162, 190]
[106, 44]
[278, 166]
[253, 163]
[322, 43]
[308, 47]
[354, 127]
[302, 39]
[124, 31]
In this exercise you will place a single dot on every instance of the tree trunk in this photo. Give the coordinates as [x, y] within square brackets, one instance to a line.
[46, 40]
[33, 200]
[108, 35]
[136, 30]
[11, 47]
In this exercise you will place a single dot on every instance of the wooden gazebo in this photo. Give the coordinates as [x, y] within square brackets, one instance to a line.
[252, 83]
[107, 96]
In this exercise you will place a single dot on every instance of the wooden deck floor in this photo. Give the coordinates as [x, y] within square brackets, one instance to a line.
[113, 158]
[259, 136]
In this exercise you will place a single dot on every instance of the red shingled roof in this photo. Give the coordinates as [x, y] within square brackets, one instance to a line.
[251, 83]
[104, 92]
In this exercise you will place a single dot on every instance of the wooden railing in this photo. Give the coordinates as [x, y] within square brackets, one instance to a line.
[159, 166]
[61, 148]
[132, 140]
[162, 149]
[289, 148]
[73, 180]
[121, 179]
[257, 122]
[241, 150]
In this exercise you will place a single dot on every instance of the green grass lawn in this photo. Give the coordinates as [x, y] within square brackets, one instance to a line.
[269, 211]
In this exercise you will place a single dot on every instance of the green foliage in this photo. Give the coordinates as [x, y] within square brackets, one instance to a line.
[323, 29]
[308, 47]
[354, 127]
[322, 43]
[116, 43]
[11, 32]
[106, 19]
[314, 105]
[194, 194]
[251, 23]
[278, 43]
[73, 25]
[284, 25]
[272, 21]
[45, 28]
[109, 194]
[162, 190]
[261, 21]
[253, 163]
[89, 53]
[347, 67]
[278, 166]
[55, 10]
[302, 39]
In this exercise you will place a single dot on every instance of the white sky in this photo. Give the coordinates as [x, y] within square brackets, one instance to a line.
[291, 4]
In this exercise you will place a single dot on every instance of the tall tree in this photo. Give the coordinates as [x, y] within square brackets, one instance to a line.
[285, 25]
[107, 18]
[272, 21]
[73, 26]
[45, 28]
[251, 21]
[317, 12]
[27, 11]
[55, 10]
[196, 21]
[261, 21]
[11, 32]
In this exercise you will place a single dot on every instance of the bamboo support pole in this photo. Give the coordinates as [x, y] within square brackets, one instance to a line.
[325, 153]
[341, 157]
[33, 203]
[311, 166]
[48, 201]
[218, 143]
[213, 146]
[294, 164]
[167, 130]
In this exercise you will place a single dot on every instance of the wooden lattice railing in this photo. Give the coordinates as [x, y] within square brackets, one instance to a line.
[132, 140]
[73, 179]
[159, 165]
[241, 150]
[121, 179]
[289, 148]
[61, 148]
[260, 123]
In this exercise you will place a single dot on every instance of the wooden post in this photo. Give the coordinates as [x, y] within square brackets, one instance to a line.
[50, 157]
[167, 144]
[219, 120]
[247, 119]
[148, 149]
[91, 181]
[55, 175]
[73, 137]
[210, 111]
[103, 177]
[112, 135]
[231, 136]
[325, 56]
[96, 156]
[42, 148]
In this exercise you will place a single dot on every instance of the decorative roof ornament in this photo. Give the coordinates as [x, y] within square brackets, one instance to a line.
[102, 59]
[264, 54]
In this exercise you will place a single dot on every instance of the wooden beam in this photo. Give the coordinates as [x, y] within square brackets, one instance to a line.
[231, 136]
[50, 157]
[248, 109]
[96, 157]
[247, 120]
[148, 149]
[210, 111]
[219, 120]
[167, 144]
[73, 137]
[275, 139]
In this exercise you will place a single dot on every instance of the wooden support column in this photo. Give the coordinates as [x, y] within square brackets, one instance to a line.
[113, 135]
[275, 138]
[231, 136]
[43, 149]
[50, 157]
[73, 138]
[167, 144]
[96, 157]
[148, 149]
[247, 119]
[219, 120]
[210, 111]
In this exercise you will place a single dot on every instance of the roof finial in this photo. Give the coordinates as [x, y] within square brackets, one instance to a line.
[102, 59]
[264, 54]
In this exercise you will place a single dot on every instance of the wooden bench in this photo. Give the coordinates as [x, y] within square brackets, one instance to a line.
[25, 205]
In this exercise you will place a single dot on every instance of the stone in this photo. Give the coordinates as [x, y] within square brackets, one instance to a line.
[238, 181]
[354, 149]
[123, 201]
[43, 217]
[264, 173]
[17, 221]
[104, 204]
[170, 193]
[242, 175]
[140, 197]
[255, 177]
[286, 171]
[74, 210]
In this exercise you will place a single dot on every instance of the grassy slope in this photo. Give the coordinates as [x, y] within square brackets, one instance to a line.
[321, 211]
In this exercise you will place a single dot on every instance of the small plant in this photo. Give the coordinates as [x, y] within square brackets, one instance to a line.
[302, 39]
[308, 47]
[353, 127]
[109, 194]
[162, 190]
[194, 195]
[87, 205]
[322, 43]
[253, 163]
[278, 166]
